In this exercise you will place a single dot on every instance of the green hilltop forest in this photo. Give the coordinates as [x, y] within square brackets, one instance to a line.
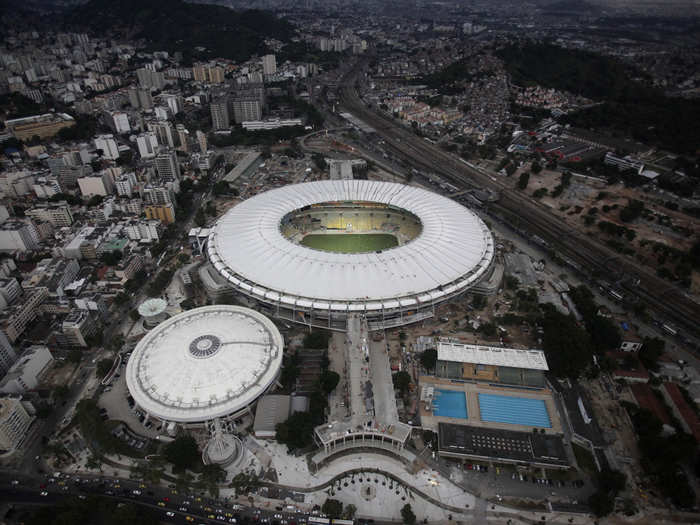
[173, 25]
[630, 105]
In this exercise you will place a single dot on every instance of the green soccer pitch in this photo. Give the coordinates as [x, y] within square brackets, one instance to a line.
[350, 242]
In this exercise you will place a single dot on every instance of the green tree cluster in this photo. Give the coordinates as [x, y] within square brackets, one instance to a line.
[161, 281]
[566, 345]
[402, 381]
[93, 511]
[221, 188]
[604, 333]
[290, 371]
[610, 484]
[268, 137]
[212, 31]
[319, 160]
[103, 367]
[297, 431]
[200, 219]
[183, 453]
[243, 483]
[329, 380]
[332, 508]
[317, 339]
[428, 359]
[663, 457]
[563, 184]
[111, 258]
[652, 349]
[523, 180]
[632, 211]
[407, 515]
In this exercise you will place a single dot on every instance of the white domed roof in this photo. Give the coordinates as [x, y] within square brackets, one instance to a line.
[205, 363]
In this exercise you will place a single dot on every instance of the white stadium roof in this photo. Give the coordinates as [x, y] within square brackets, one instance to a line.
[204, 363]
[454, 249]
[492, 355]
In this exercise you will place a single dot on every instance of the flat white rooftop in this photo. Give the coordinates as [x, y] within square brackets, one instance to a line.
[492, 355]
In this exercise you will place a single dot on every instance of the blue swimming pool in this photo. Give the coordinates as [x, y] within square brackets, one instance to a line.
[514, 410]
[449, 403]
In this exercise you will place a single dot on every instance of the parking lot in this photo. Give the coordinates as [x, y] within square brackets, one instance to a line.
[115, 400]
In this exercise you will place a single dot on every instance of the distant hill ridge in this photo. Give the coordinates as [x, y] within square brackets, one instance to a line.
[173, 25]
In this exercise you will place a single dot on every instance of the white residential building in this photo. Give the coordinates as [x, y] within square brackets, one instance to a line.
[269, 63]
[120, 122]
[167, 166]
[10, 290]
[47, 187]
[58, 214]
[202, 140]
[143, 230]
[8, 356]
[27, 371]
[162, 112]
[14, 422]
[99, 184]
[18, 236]
[72, 247]
[16, 183]
[108, 145]
[175, 103]
[125, 184]
[148, 144]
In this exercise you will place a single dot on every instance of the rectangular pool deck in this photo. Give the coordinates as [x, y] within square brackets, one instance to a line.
[541, 400]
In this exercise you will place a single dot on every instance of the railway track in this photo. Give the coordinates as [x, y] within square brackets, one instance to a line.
[590, 255]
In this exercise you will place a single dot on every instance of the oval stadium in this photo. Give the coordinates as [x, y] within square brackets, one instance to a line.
[204, 364]
[317, 252]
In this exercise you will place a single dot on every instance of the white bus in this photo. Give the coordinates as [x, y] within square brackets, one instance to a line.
[318, 521]
[669, 329]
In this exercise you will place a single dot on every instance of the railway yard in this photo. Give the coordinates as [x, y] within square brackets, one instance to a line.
[583, 253]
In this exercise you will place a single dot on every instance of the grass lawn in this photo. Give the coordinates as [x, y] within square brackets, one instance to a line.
[350, 242]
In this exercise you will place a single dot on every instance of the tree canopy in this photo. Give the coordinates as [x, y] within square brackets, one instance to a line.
[523, 180]
[409, 518]
[402, 381]
[297, 431]
[652, 349]
[332, 508]
[92, 511]
[103, 367]
[610, 484]
[663, 456]
[429, 359]
[212, 31]
[630, 106]
[604, 333]
[183, 452]
[567, 346]
[317, 339]
[329, 380]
